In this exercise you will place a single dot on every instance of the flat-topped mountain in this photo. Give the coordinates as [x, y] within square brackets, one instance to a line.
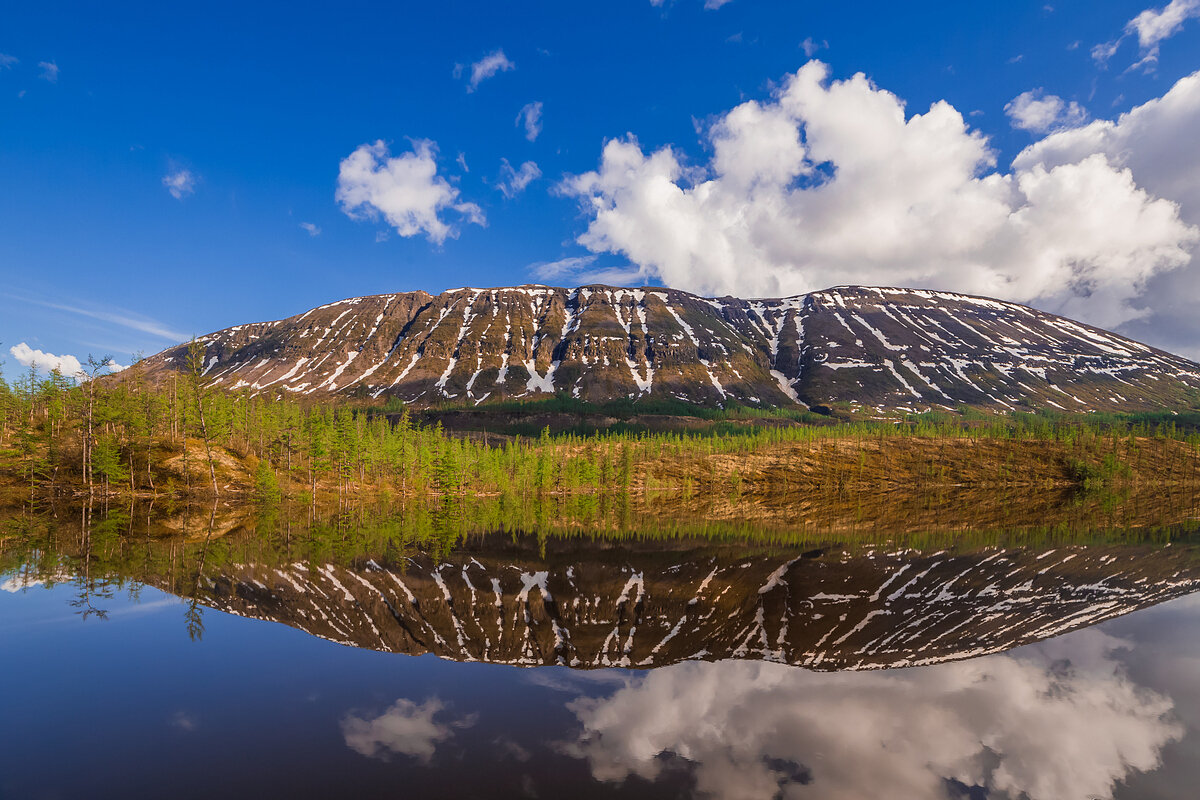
[881, 349]
[591, 605]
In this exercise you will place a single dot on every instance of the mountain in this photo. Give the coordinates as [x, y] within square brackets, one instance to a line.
[867, 348]
[515, 600]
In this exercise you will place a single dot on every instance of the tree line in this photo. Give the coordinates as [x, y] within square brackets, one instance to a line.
[96, 434]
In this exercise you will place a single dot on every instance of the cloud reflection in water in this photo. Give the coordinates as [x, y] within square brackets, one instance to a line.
[405, 728]
[1057, 721]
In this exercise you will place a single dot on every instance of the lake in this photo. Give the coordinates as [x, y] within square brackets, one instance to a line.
[445, 652]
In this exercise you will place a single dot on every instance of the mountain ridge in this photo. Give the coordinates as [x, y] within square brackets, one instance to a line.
[868, 349]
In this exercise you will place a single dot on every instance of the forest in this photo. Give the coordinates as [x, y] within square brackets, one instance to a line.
[101, 435]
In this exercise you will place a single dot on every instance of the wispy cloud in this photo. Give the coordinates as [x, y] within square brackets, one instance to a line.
[810, 46]
[125, 319]
[311, 229]
[710, 5]
[514, 180]
[7, 61]
[486, 67]
[530, 116]
[180, 183]
[49, 71]
[562, 268]
[578, 270]
[1151, 27]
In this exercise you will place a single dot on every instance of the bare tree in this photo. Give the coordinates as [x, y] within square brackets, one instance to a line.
[195, 364]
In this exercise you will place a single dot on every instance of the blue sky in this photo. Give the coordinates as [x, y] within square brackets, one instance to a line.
[165, 173]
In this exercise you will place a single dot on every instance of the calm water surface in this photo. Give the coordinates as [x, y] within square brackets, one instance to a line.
[258, 660]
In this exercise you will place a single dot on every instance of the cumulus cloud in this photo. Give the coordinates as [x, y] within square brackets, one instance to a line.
[405, 728]
[1156, 24]
[68, 365]
[530, 116]
[1039, 112]
[49, 71]
[406, 190]
[513, 181]
[832, 183]
[1156, 144]
[1151, 27]
[486, 67]
[1061, 722]
[310, 228]
[180, 183]
[26, 356]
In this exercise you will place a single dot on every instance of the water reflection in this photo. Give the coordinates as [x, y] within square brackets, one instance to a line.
[594, 601]
[406, 728]
[707, 666]
[1060, 722]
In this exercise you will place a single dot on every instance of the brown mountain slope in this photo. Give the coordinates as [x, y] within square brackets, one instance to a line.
[874, 348]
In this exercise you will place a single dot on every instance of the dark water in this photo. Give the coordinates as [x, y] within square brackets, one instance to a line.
[348, 658]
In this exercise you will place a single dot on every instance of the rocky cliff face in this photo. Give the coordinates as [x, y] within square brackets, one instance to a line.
[591, 605]
[878, 349]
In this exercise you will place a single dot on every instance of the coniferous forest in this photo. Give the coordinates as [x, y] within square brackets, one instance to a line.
[121, 434]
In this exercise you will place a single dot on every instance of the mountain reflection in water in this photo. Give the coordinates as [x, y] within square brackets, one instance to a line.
[989, 677]
[586, 604]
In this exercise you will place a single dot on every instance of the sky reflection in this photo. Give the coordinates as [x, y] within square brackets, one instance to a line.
[1056, 721]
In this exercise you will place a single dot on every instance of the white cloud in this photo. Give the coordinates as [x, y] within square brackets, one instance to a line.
[405, 190]
[715, 4]
[1039, 112]
[180, 183]
[513, 181]
[1060, 722]
[310, 228]
[582, 270]
[1151, 27]
[1102, 52]
[27, 356]
[183, 720]
[405, 728]
[831, 183]
[1157, 143]
[486, 67]
[810, 47]
[49, 71]
[530, 116]
[1154, 25]
[6, 61]
[562, 269]
[710, 5]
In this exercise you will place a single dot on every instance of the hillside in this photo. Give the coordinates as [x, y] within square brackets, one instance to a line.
[855, 348]
[516, 601]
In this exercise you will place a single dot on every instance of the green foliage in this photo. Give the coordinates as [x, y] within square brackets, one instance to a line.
[266, 485]
[130, 425]
[106, 460]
